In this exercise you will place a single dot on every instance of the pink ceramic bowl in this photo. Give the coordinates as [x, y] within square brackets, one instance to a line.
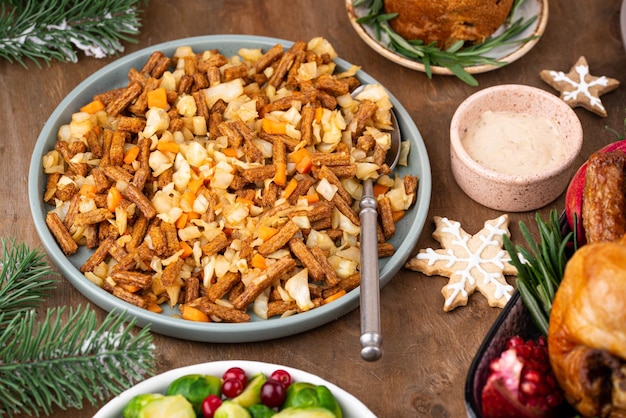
[508, 192]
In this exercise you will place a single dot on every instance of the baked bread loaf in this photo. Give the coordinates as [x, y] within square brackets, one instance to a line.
[587, 332]
[447, 21]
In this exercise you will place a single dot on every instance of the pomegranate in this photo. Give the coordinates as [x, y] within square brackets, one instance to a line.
[574, 193]
[521, 382]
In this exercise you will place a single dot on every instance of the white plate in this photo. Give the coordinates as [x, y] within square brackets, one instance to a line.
[115, 75]
[504, 54]
[350, 406]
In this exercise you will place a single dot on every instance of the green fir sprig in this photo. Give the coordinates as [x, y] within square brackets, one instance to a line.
[540, 267]
[455, 58]
[25, 277]
[43, 30]
[64, 357]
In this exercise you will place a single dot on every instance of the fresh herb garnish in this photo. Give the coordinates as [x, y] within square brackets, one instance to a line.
[540, 268]
[456, 57]
[619, 135]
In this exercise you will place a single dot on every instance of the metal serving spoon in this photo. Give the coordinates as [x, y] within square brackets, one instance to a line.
[371, 338]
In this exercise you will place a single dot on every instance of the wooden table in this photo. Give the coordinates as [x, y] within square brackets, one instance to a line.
[427, 352]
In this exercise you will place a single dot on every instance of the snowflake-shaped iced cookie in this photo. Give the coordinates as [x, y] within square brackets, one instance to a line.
[471, 262]
[579, 87]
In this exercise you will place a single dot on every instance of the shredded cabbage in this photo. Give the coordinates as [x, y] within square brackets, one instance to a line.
[298, 288]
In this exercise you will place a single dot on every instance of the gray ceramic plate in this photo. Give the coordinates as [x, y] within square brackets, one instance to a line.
[350, 406]
[115, 75]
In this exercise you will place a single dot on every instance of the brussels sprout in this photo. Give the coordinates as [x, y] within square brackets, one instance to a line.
[261, 411]
[196, 387]
[134, 407]
[251, 395]
[305, 412]
[174, 406]
[229, 409]
[301, 394]
[158, 406]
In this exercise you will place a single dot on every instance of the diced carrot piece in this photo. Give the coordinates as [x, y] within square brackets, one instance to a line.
[302, 159]
[249, 203]
[396, 215]
[131, 154]
[187, 249]
[153, 307]
[291, 186]
[272, 126]
[93, 107]
[335, 296]
[192, 314]
[266, 232]
[194, 185]
[132, 288]
[280, 177]
[319, 112]
[258, 261]
[170, 146]
[87, 190]
[193, 215]
[304, 166]
[380, 189]
[298, 155]
[230, 152]
[157, 98]
[312, 198]
[114, 197]
[181, 221]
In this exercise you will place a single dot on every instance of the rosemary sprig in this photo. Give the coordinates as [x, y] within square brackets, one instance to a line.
[456, 57]
[619, 135]
[43, 30]
[540, 268]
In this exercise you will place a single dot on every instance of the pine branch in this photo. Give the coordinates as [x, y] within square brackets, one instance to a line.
[43, 30]
[63, 362]
[64, 359]
[23, 280]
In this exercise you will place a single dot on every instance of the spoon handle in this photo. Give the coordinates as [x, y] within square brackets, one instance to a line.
[371, 338]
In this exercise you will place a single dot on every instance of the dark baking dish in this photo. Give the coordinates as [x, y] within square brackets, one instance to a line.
[514, 320]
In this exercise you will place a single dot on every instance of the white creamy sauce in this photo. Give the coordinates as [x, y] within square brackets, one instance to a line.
[514, 143]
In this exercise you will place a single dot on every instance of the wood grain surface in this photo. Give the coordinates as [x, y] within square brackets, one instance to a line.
[427, 352]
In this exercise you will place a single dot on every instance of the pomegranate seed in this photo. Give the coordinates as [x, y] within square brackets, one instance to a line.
[525, 379]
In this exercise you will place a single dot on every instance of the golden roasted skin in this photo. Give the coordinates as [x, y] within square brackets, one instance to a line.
[447, 21]
[587, 332]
